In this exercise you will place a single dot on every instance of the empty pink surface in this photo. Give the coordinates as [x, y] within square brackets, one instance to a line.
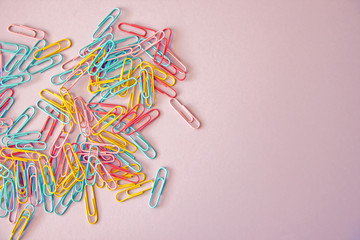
[276, 87]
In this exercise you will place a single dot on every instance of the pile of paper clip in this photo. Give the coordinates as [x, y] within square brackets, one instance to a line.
[34, 173]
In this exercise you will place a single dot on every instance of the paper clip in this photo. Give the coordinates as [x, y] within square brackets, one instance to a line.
[135, 29]
[131, 195]
[62, 204]
[74, 59]
[6, 122]
[109, 115]
[24, 219]
[59, 49]
[83, 117]
[110, 17]
[34, 31]
[156, 182]
[90, 214]
[53, 112]
[153, 40]
[62, 137]
[144, 150]
[139, 119]
[183, 111]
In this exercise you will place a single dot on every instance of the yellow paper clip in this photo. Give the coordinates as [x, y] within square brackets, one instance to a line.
[89, 215]
[131, 195]
[59, 49]
[110, 116]
[24, 219]
[118, 141]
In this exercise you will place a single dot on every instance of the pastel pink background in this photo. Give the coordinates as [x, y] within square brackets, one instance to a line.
[276, 87]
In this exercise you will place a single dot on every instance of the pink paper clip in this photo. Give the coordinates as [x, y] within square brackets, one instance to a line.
[74, 59]
[153, 40]
[11, 218]
[33, 177]
[139, 119]
[183, 111]
[76, 72]
[143, 30]
[33, 34]
[107, 148]
[52, 126]
[6, 122]
[83, 117]
[166, 40]
[62, 137]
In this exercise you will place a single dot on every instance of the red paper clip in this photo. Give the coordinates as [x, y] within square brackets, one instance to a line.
[136, 111]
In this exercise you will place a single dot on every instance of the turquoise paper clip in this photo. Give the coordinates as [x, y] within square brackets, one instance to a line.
[156, 182]
[21, 116]
[61, 203]
[14, 80]
[52, 63]
[12, 64]
[48, 108]
[9, 194]
[144, 150]
[88, 47]
[30, 54]
[111, 92]
[105, 50]
[78, 190]
[11, 45]
[106, 19]
[16, 136]
[5, 172]
[45, 191]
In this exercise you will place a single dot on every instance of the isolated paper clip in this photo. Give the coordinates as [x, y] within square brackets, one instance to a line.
[90, 214]
[59, 49]
[184, 113]
[161, 188]
[33, 32]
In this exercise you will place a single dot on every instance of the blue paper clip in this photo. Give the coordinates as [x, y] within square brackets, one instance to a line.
[156, 182]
